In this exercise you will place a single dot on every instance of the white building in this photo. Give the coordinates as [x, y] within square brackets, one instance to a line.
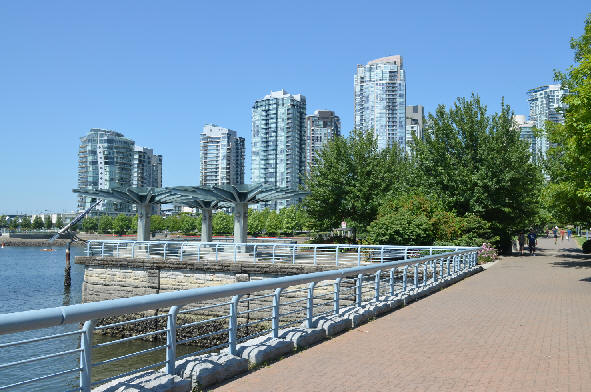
[222, 156]
[279, 141]
[380, 100]
[545, 104]
[527, 133]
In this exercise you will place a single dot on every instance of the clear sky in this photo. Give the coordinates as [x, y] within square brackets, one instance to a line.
[159, 71]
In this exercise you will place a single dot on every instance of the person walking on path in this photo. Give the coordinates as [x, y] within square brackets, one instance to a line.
[555, 232]
[532, 242]
[561, 234]
[521, 240]
[569, 234]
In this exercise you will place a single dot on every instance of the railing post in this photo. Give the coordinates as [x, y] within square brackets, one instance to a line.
[148, 250]
[315, 248]
[164, 253]
[171, 340]
[234, 252]
[377, 285]
[406, 253]
[392, 281]
[117, 249]
[447, 266]
[293, 249]
[216, 252]
[132, 250]
[358, 297]
[382, 255]
[86, 356]
[441, 268]
[337, 255]
[404, 273]
[434, 266]
[233, 327]
[276, 301]
[103, 249]
[358, 255]
[424, 274]
[181, 252]
[416, 276]
[255, 253]
[310, 305]
[337, 289]
[274, 245]
[88, 248]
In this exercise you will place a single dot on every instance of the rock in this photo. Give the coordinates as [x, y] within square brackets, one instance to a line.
[210, 369]
[302, 337]
[263, 349]
[150, 381]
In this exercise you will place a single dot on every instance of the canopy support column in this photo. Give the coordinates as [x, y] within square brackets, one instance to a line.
[240, 222]
[144, 211]
[206, 225]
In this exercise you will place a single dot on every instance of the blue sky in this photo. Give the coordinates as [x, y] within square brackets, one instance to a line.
[159, 71]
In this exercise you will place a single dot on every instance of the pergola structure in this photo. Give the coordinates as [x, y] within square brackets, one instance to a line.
[206, 198]
[143, 198]
[240, 196]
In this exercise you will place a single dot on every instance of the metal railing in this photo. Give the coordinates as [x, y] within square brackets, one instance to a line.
[210, 319]
[314, 254]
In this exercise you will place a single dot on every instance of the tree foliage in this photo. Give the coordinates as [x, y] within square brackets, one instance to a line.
[48, 223]
[351, 179]
[90, 224]
[59, 222]
[37, 223]
[222, 223]
[477, 164]
[105, 224]
[569, 159]
[121, 224]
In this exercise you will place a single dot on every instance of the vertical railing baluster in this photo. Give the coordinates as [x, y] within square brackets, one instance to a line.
[315, 248]
[337, 255]
[103, 249]
[377, 285]
[88, 248]
[392, 271]
[382, 255]
[416, 276]
[404, 273]
[276, 314]
[255, 253]
[216, 252]
[359, 295]
[165, 250]
[233, 327]
[293, 253]
[358, 255]
[274, 252]
[171, 340]
[424, 274]
[337, 289]
[86, 356]
[310, 306]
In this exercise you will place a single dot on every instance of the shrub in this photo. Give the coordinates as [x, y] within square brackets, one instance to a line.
[587, 246]
[487, 254]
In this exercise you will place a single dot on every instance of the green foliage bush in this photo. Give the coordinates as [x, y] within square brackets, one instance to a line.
[121, 224]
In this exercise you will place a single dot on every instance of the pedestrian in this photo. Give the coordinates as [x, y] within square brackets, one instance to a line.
[569, 234]
[555, 232]
[532, 242]
[521, 240]
[561, 234]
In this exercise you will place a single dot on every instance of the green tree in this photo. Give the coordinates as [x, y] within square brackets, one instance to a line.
[13, 224]
[105, 224]
[273, 223]
[90, 224]
[477, 164]
[222, 223]
[48, 223]
[188, 224]
[157, 223]
[37, 223]
[256, 221]
[352, 179]
[59, 222]
[3, 221]
[173, 223]
[25, 222]
[569, 161]
[121, 224]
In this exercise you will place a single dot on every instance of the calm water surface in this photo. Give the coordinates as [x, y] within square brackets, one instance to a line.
[34, 279]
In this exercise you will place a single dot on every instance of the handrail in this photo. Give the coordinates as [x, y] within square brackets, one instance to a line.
[42, 318]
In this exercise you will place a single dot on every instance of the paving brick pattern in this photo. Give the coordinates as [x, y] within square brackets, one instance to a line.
[522, 325]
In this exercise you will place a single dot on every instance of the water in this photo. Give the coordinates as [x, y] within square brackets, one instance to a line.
[34, 279]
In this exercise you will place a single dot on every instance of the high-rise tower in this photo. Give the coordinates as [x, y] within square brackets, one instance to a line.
[222, 156]
[279, 141]
[322, 126]
[545, 104]
[380, 100]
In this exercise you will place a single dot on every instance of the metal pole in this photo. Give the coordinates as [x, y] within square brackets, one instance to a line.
[359, 290]
[86, 356]
[276, 315]
[337, 288]
[377, 285]
[68, 268]
[171, 340]
[404, 273]
[233, 327]
[392, 281]
[310, 305]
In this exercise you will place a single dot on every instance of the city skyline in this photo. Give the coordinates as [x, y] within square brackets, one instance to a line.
[70, 67]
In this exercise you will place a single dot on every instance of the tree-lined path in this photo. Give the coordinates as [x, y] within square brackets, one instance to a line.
[522, 325]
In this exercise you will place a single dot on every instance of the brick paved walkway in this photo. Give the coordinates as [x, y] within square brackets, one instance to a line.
[522, 325]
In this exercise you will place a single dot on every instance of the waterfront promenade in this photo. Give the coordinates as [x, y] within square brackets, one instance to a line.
[524, 324]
